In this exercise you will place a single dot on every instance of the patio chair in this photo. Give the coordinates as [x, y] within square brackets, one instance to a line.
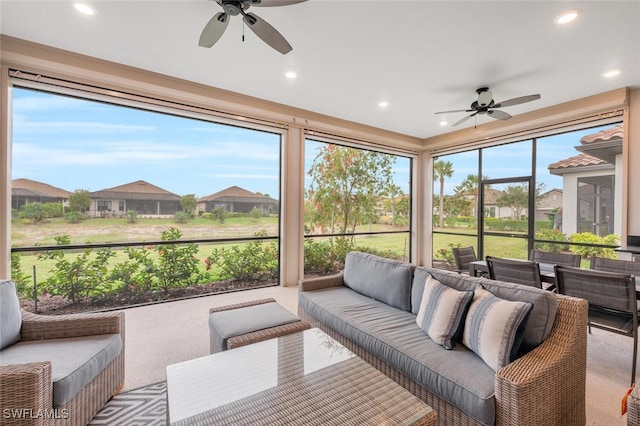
[615, 265]
[564, 259]
[463, 257]
[516, 271]
[612, 300]
[57, 370]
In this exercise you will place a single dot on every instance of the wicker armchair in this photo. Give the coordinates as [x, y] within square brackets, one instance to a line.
[27, 390]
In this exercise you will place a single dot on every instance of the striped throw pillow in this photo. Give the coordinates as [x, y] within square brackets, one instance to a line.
[441, 311]
[494, 327]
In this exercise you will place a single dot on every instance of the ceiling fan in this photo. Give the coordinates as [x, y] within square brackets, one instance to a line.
[486, 105]
[216, 26]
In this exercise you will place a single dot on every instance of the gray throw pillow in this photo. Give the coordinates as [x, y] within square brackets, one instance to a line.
[441, 311]
[493, 328]
[10, 316]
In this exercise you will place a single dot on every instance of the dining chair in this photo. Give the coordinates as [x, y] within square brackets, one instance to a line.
[615, 265]
[463, 257]
[515, 271]
[612, 300]
[565, 259]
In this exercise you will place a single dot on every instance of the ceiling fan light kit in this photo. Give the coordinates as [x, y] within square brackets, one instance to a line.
[486, 105]
[216, 26]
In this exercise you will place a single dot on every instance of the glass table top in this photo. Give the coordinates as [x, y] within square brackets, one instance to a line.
[302, 378]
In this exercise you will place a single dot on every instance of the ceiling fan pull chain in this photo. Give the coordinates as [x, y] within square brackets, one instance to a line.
[243, 25]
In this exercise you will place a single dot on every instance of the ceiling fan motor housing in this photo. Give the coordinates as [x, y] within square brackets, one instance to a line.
[485, 97]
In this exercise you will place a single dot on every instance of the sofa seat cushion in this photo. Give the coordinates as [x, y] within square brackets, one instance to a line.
[75, 361]
[10, 316]
[457, 376]
[382, 279]
[541, 318]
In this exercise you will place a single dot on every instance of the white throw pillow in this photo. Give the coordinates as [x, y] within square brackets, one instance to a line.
[441, 311]
[494, 327]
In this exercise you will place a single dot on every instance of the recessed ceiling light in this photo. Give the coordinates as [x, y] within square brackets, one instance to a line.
[383, 104]
[611, 73]
[290, 75]
[443, 123]
[567, 16]
[85, 9]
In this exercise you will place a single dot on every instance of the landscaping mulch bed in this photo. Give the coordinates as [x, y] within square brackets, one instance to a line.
[57, 305]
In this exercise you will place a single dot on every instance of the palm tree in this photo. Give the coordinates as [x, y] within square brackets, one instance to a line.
[441, 170]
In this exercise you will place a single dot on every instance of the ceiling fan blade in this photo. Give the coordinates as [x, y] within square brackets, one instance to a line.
[516, 101]
[463, 119]
[272, 3]
[498, 115]
[455, 110]
[214, 29]
[267, 33]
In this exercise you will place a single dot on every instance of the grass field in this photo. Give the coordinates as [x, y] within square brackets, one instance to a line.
[114, 230]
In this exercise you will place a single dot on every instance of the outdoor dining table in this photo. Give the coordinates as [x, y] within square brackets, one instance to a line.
[547, 273]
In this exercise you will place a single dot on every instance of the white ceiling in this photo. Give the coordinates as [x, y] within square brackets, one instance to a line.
[419, 56]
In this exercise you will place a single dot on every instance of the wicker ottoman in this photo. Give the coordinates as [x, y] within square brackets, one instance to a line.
[633, 407]
[243, 323]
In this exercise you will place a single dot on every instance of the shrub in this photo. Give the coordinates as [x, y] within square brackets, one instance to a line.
[83, 277]
[219, 214]
[74, 217]
[255, 261]
[52, 209]
[317, 257]
[181, 217]
[255, 213]
[20, 278]
[589, 238]
[177, 264]
[551, 235]
[33, 212]
[132, 216]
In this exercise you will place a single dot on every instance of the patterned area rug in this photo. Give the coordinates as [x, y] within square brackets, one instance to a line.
[142, 406]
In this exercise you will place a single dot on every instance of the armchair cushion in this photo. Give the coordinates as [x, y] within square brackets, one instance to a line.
[74, 361]
[10, 317]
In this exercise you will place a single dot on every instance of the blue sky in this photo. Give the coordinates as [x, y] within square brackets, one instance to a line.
[514, 160]
[77, 144]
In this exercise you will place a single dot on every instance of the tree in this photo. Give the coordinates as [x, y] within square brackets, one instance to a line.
[80, 200]
[469, 187]
[188, 203]
[346, 184]
[517, 198]
[441, 170]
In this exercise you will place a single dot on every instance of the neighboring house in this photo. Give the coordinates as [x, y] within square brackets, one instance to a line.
[238, 200]
[491, 208]
[549, 202]
[141, 196]
[592, 184]
[25, 191]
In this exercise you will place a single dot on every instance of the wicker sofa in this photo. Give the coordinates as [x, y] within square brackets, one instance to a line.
[58, 370]
[545, 385]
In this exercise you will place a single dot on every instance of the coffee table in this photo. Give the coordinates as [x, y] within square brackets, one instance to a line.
[304, 378]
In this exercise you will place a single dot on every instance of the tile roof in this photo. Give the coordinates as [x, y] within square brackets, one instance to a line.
[138, 187]
[235, 192]
[579, 160]
[31, 187]
[615, 132]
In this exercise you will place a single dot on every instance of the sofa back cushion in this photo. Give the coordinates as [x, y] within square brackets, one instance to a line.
[10, 316]
[541, 318]
[382, 279]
